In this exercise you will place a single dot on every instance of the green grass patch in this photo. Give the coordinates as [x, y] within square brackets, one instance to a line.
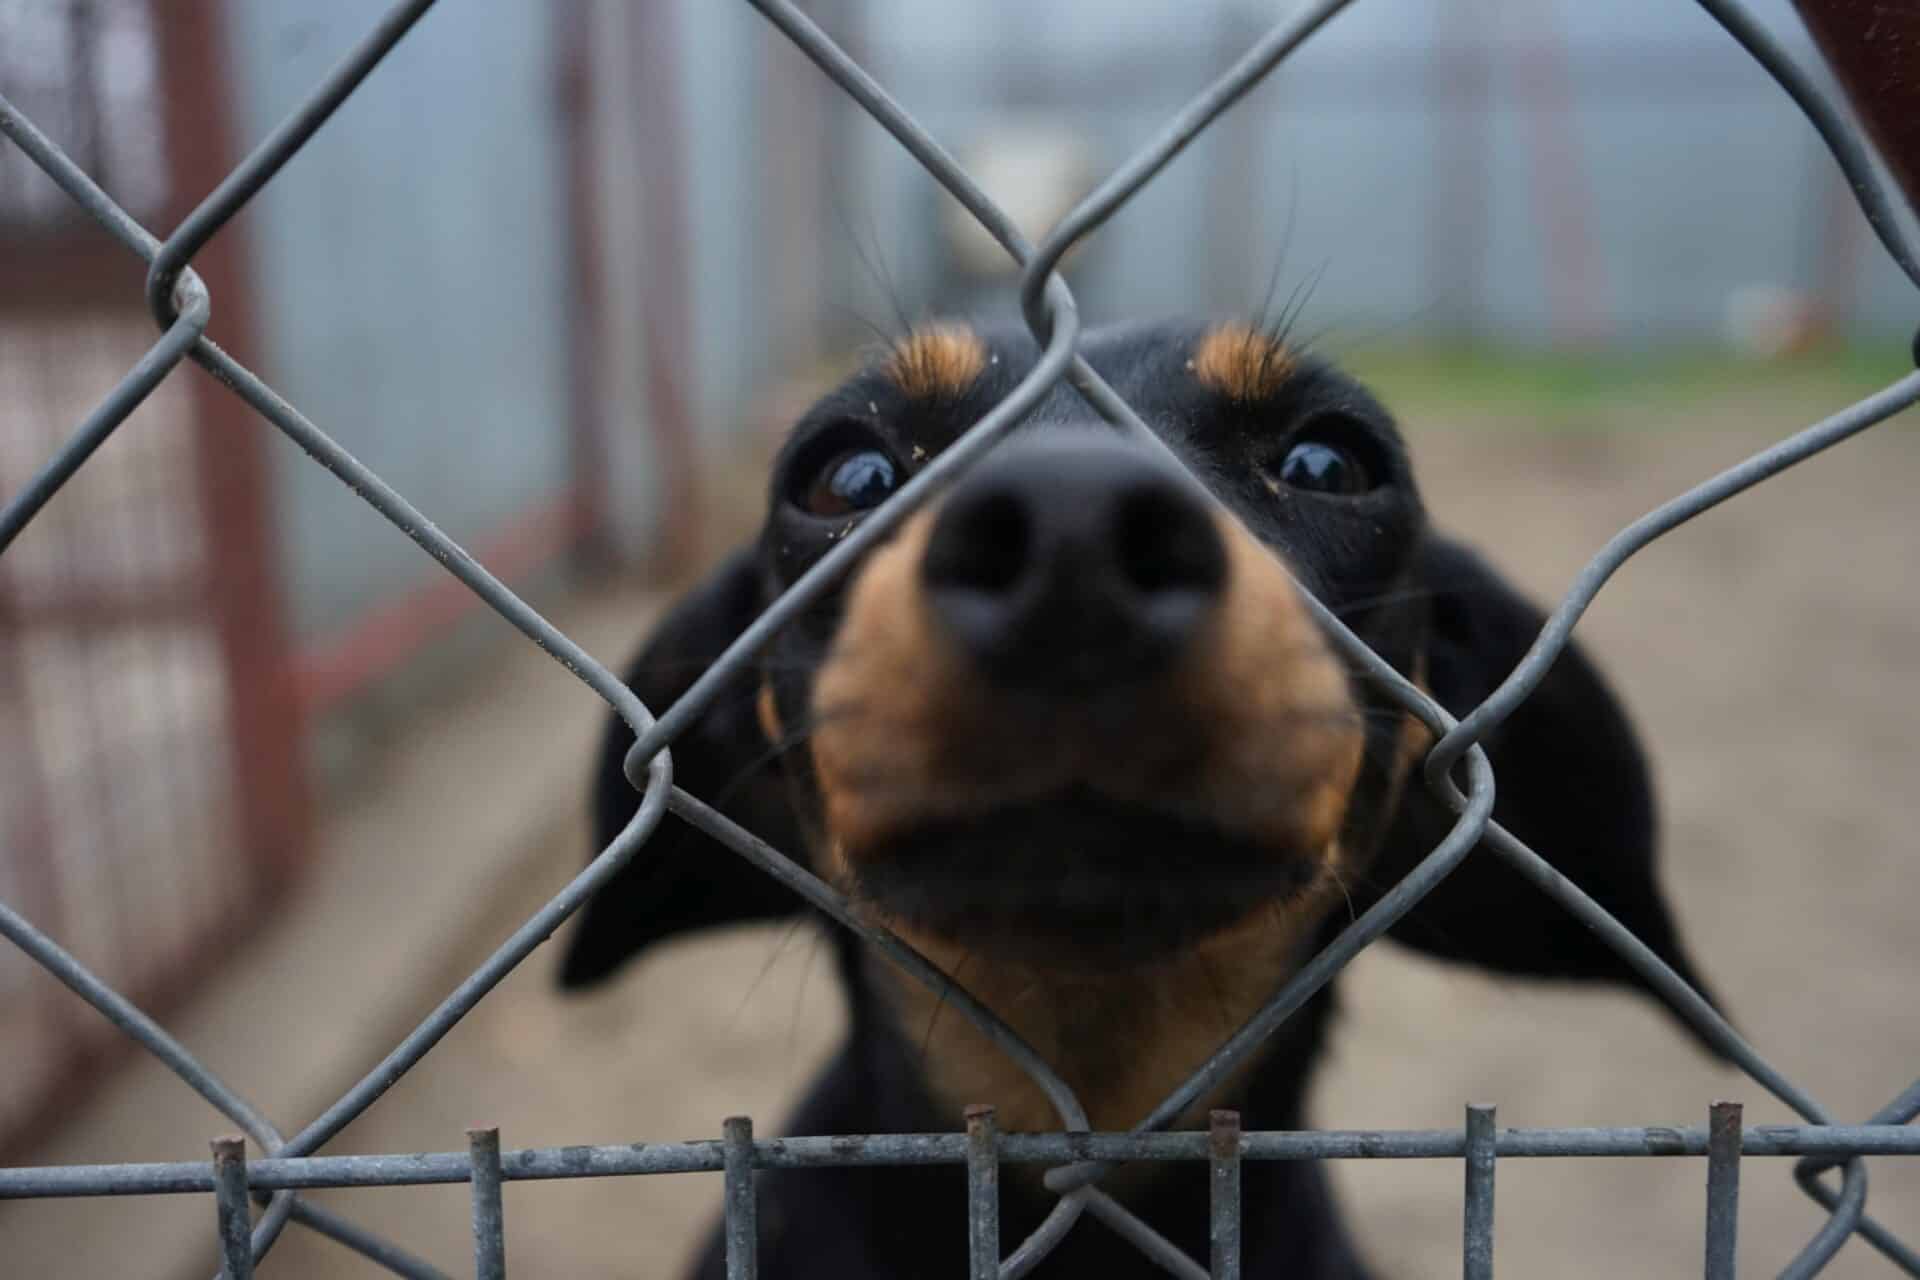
[1567, 389]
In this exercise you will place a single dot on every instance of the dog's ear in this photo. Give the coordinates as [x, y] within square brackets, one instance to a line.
[1572, 784]
[683, 880]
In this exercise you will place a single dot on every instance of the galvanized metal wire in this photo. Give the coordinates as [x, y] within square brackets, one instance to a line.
[286, 1167]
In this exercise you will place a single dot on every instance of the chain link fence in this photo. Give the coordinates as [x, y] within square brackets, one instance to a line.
[181, 307]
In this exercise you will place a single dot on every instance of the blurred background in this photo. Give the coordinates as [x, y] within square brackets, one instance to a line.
[560, 274]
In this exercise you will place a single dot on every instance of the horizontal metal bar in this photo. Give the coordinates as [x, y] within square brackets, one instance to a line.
[706, 1156]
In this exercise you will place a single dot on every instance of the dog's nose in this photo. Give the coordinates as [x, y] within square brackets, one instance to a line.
[1073, 563]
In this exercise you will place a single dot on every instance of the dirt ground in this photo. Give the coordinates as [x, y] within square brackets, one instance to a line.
[1771, 650]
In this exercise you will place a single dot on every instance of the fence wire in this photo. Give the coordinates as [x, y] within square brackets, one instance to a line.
[182, 307]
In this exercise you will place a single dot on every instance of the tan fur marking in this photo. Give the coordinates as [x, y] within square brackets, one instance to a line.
[1415, 738]
[1412, 744]
[938, 362]
[1122, 1039]
[767, 711]
[1256, 730]
[1286, 738]
[903, 734]
[1242, 362]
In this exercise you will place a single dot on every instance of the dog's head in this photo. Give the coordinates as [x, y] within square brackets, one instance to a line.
[1074, 715]
[1073, 712]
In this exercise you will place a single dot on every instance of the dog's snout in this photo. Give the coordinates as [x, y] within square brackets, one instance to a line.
[1073, 565]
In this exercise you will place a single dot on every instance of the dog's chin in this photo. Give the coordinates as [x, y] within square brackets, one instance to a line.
[1078, 881]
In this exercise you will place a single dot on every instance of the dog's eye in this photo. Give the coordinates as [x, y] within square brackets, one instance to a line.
[1331, 453]
[852, 480]
[1322, 468]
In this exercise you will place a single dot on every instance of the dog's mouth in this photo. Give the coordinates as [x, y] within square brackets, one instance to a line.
[1077, 879]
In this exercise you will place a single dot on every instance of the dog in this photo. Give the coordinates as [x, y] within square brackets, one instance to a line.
[1072, 734]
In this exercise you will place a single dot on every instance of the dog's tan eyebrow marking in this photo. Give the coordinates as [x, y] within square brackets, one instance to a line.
[938, 362]
[1242, 362]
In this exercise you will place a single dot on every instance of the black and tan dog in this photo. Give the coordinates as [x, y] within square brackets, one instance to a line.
[1072, 734]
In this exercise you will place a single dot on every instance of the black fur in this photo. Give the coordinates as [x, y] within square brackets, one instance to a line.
[1572, 783]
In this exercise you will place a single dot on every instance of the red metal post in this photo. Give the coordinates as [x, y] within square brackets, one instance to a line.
[230, 443]
[588, 323]
[668, 320]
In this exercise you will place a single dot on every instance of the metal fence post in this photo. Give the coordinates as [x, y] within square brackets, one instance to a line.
[983, 1192]
[1223, 1234]
[742, 1210]
[489, 1209]
[1477, 1249]
[1723, 1188]
[230, 1199]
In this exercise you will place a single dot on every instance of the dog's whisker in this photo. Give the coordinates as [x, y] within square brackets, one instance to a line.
[790, 740]
[1296, 304]
[1410, 595]
[878, 275]
[1262, 317]
[766, 967]
[946, 990]
[880, 335]
[800, 1000]
[1346, 892]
